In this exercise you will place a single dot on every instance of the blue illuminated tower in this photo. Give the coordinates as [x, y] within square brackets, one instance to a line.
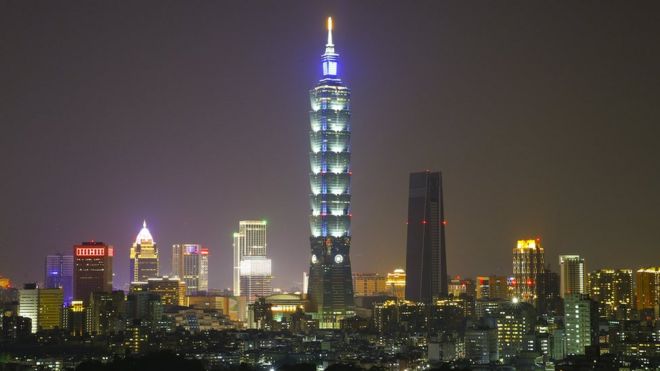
[330, 281]
[59, 274]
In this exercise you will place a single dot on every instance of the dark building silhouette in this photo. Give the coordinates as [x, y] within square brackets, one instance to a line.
[92, 269]
[426, 262]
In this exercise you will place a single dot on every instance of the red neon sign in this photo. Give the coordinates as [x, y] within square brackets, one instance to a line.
[92, 251]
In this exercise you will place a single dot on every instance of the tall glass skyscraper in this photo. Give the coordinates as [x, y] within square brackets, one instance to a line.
[252, 268]
[59, 274]
[190, 262]
[426, 259]
[330, 282]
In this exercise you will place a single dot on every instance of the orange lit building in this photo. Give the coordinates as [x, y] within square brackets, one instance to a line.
[528, 268]
[396, 283]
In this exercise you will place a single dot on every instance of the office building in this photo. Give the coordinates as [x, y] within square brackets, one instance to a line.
[528, 269]
[92, 269]
[252, 267]
[396, 284]
[190, 262]
[613, 290]
[28, 304]
[42, 306]
[571, 275]
[515, 320]
[144, 256]
[51, 305]
[330, 288]
[426, 263]
[59, 274]
[581, 323]
[172, 291]
[647, 292]
[368, 284]
[491, 288]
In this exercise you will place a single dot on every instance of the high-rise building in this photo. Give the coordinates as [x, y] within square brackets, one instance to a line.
[190, 262]
[144, 256]
[59, 274]
[426, 262]
[42, 306]
[613, 290]
[252, 268]
[330, 287]
[581, 323]
[28, 304]
[396, 284]
[92, 269]
[51, 304]
[528, 269]
[647, 291]
[491, 288]
[571, 275]
[368, 284]
[515, 320]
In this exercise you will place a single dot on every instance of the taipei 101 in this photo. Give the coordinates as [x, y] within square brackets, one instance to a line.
[324, 186]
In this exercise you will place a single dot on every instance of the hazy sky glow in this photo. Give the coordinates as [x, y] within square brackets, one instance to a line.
[543, 119]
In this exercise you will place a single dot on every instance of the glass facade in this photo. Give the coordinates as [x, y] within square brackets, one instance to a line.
[330, 282]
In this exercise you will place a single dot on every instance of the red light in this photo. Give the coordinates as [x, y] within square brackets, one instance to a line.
[529, 282]
[423, 221]
[444, 222]
[92, 251]
[205, 251]
[111, 251]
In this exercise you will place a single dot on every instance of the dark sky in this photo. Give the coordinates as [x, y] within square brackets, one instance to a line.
[543, 118]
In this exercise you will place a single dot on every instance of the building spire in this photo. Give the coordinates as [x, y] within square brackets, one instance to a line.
[329, 32]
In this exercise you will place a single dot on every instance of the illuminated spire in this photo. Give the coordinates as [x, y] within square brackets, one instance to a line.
[330, 59]
[329, 32]
[144, 234]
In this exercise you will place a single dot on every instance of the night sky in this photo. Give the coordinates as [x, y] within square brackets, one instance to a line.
[193, 115]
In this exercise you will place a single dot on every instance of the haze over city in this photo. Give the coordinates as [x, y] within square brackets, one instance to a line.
[195, 117]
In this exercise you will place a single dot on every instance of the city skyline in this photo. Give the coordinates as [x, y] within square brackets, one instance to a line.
[45, 218]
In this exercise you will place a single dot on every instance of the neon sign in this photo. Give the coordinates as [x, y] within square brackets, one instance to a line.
[91, 251]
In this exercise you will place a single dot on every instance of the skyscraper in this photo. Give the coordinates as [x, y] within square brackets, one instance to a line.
[571, 275]
[59, 274]
[528, 270]
[252, 268]
[92, 269]
[144, 256]
[426, 262]
[330, 287]
[190, 262]
[28, 304]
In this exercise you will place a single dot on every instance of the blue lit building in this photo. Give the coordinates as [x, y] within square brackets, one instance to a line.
[330, 290]
[59, 274]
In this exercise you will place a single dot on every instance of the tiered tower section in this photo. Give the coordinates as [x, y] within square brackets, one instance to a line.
[330, 281]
